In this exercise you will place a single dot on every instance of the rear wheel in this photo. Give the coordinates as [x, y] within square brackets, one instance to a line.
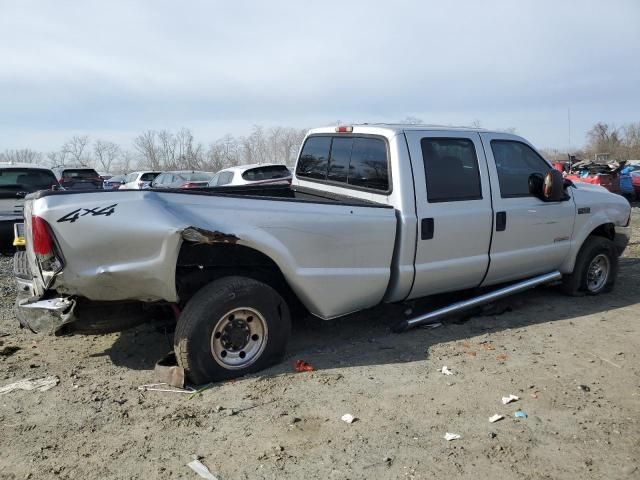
[595, 270]
[231, 327]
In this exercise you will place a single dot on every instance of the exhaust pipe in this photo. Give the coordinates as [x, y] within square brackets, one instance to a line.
[436, 315]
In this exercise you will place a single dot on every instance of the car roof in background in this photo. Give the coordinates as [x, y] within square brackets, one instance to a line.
[242, 168]
[6, 165]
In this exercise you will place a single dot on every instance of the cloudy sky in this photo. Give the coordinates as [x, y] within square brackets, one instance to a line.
[113, 69]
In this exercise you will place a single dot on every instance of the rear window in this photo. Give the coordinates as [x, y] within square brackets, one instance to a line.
[358, 161]
[30, 179]
[196, 176]
[80, 173]
[268, 172]
[149, 176]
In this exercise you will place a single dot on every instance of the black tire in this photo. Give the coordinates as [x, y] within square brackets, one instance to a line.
[226, 305]
[577, 283]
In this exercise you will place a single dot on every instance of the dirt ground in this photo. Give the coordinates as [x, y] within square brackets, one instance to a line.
[95, 424]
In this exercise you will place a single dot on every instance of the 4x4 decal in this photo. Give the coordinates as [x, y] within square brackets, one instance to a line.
[94, 212]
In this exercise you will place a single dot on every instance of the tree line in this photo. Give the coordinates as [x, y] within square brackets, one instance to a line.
[179, 150]
[168, 150]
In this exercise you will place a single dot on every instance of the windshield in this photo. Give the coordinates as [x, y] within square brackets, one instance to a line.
[27, 179]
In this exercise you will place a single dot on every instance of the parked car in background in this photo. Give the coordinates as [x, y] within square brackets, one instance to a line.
[138, 180]
[182, 179]
[78, 178]
[114, 182]
[267, 173]
[16, 181]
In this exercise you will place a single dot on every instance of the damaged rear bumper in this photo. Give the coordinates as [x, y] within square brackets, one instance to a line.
[45, 316]
[42, 316]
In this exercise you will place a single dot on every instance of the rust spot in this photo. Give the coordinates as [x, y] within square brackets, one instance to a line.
[200, 236]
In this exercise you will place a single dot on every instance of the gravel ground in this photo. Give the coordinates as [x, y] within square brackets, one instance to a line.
[95, 424]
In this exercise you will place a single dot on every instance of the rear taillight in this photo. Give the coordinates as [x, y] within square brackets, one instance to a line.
[42, 241]
[188, 185]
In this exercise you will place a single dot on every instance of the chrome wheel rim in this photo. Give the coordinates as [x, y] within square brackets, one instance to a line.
[239, 338]
[598, 273]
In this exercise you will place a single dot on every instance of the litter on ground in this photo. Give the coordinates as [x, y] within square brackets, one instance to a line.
[451, 436]
[520, 414]
[446, 370]
[495, 418]
[347, 417]
[509, 399]
[302, 366]
[39, 384]
[198, 467]
[164, 387]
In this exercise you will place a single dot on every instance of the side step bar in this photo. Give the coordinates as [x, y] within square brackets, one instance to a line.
[436, 315]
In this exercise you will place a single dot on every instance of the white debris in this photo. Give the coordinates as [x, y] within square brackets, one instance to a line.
[495, 418]
[446, 370]
[451, 436]
[509, 399]
[347, 417]
[432, 325]
[198, 467]
[40, 384]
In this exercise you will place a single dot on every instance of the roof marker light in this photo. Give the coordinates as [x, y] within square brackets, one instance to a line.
[344, 129]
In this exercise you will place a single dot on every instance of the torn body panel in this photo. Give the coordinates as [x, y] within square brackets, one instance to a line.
[45, 316]
[335, 257]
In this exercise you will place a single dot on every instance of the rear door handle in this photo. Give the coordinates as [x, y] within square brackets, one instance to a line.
[501, 221]
[426, 228]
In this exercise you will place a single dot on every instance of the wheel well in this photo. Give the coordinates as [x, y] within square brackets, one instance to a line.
[199, 264]
[606, 230]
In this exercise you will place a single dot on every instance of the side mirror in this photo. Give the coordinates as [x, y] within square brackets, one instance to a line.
[549, 188]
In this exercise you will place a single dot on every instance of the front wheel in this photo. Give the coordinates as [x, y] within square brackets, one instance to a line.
[231, 327]
[595, 270]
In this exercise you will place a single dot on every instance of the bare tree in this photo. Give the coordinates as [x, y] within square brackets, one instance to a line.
[57, 158]
[105, 153]
[147, 147]
[76, 149]
[24, 155]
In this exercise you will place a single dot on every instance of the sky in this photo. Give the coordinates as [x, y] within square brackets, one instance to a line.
[114, 69]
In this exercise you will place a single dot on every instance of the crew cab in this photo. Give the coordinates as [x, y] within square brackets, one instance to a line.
[375, 213]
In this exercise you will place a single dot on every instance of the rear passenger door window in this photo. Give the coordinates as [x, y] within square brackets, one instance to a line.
[314, 159]
[361, 162]
[515, 162]
[451, 169]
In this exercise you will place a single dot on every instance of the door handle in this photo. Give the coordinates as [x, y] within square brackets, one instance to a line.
[501, 221]
[426, 228]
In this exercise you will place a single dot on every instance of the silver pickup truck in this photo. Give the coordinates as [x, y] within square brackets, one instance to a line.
[375, 213]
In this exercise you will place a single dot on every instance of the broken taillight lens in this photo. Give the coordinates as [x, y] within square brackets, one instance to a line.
[42, 241]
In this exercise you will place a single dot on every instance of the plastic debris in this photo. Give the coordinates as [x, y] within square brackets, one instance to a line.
[495, 418]
[164, 387]
[520, 414]
[40, 384]
[493, 434]
[347, 417]
[451, 436]
[432, 325]
[584, 388]
[198, 467]
[446, 370]
[509, 399]
[302, 366]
